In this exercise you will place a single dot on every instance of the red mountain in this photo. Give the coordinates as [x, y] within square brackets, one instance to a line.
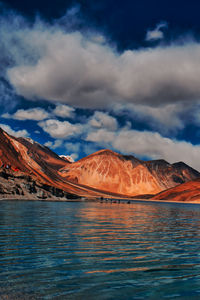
[189, 191]
[21, 157]
[28, 156]
[104, 173]
[112, 172]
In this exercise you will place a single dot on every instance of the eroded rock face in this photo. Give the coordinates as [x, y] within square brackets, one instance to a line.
[25, 155]
[23, 186]
[110, 171]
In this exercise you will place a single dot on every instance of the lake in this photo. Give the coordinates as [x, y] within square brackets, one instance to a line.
[86, 250]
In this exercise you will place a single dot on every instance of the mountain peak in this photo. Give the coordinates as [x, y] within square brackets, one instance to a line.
[180, 164]
[124, 174]
[105, 152]
[158, 162]
[104, 171]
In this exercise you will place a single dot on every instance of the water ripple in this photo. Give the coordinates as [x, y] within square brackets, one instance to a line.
[99, 251]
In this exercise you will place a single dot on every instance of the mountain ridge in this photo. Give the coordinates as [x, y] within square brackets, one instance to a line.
[125, 174]
[104, 173]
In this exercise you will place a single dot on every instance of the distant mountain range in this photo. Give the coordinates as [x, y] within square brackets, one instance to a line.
[31, 170]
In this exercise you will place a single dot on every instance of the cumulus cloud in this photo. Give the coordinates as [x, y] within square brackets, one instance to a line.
[74, 156]
[73, 149]
[98, 38]
[150, 144]
[70, 147]
[53, 145]
[36, 114]
[64, 129]
[101, 135]
[165, 119]
[72, 68]
[16, 133]
[103, 120]
[60, 130]
[39, 114]
[64, 111]
[157, 33]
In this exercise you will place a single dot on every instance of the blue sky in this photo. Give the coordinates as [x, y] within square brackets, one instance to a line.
[79, 76]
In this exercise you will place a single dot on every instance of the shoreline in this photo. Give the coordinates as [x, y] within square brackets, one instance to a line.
[106, 200]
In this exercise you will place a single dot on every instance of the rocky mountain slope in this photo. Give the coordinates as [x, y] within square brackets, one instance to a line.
[102, 174]
[22, 156]
[110, 171]
[23, 186]
[189, 191]
[28, 156]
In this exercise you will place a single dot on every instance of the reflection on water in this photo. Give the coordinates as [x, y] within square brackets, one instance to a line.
[99, 250]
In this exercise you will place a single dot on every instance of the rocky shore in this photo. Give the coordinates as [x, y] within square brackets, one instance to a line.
[22, 186]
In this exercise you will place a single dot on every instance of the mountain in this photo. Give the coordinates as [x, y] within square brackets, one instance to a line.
[22, 158]
[30, 169]
[170, 175]
[189, 191]
[21, 186]
[112, 172]
[25, 155]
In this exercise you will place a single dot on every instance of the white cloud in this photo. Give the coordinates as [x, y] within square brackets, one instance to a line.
[36, 114]
[16, 133]
[53, 145]
[103, 120]
[156, 34]
[165, 119]
[64, 111]
[72, 147]
[64, 129]
[60, 130]
[74, 156]
[39, 114]
[98, 38]
[101, 135]
[73, 69]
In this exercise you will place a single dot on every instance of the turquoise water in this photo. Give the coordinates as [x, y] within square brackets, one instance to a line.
[65, 250]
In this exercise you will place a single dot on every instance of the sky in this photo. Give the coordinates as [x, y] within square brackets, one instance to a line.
[80, 76]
